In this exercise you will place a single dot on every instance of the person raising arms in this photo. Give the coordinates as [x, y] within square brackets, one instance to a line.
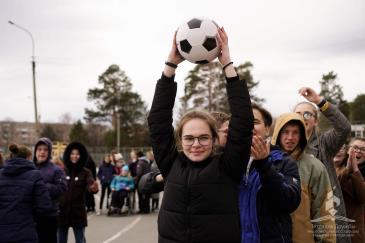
[191, 211]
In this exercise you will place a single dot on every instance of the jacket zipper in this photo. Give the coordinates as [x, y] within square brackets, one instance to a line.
[188, 213]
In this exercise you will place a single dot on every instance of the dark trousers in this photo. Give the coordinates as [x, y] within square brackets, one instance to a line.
[79, 233]
[89, 201]
[144, 202]
[104, 187]
[118, 198]
[46, 229]
[155, 202]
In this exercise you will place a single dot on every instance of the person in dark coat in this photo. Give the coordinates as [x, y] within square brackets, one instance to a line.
[132, 163]
[143, 167]
[22, 193]
[55, 180]
[155, 197]
[200, 202]
[105, 176]
[72, 203]
[89, 196]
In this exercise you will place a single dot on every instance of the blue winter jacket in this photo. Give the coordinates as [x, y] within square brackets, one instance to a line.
[22, 193]
[122, 182]
[268, 193]
[106, 173]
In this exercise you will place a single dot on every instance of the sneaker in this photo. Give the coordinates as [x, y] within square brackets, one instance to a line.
[98, 213]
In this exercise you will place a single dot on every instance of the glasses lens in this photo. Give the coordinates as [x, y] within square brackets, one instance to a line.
[358, 149]
[204, 140]
[188, 140]
[307, 115]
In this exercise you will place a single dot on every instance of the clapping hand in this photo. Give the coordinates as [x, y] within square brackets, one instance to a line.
[351, 162]
[260, 149]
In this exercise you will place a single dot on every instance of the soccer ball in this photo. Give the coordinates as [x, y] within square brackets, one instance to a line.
[196, 40]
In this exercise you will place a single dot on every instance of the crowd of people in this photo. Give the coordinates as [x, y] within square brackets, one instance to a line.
[242, 177]
[42, 197]
[238, 178]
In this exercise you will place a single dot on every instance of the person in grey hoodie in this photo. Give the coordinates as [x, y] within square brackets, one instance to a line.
[324, 146]
[56, 183]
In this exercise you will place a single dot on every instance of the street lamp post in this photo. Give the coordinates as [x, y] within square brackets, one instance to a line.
[118, 131]
[37, 128]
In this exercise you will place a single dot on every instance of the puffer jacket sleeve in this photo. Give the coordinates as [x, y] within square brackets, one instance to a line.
[160, 126]
[280, 187]
[58, 185]
[41, 197]
[237, 150]
[333, 139]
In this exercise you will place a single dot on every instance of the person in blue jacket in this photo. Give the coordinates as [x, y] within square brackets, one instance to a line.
[121, 185]
[105, 175]
[270, 189]
[22, 194]
[56, 183]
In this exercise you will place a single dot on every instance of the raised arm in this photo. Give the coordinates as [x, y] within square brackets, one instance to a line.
[237, 151]
[160, 117]
[334, 138]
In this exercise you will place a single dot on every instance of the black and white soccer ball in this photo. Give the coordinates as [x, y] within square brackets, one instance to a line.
[196, 40]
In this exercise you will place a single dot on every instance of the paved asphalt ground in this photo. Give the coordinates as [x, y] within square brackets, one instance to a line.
[135, 228]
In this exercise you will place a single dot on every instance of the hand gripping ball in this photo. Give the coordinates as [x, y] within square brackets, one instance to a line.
[196, 40]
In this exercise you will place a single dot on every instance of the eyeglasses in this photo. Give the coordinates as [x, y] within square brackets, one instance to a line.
[358, 149]
[307, 115]
[202, 140]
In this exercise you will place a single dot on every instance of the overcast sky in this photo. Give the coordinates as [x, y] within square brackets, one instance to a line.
[290, 43]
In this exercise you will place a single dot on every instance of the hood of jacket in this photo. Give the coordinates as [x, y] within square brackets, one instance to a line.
[48, 143]
[16, 166]
[281, 121]
[84, 156]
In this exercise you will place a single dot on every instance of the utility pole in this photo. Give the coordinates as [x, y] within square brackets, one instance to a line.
[118, 132]
[37, 125]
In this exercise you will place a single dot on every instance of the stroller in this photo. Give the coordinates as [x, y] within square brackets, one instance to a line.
[120, 203]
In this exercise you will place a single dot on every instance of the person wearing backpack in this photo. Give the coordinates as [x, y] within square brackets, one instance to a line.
[143, 167]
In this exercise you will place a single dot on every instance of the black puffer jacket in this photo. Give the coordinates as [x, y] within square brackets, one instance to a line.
[72, 203]
[200, 202]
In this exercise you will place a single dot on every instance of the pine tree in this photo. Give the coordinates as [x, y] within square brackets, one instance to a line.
[116, 97]
[205, 87]
[79, 134]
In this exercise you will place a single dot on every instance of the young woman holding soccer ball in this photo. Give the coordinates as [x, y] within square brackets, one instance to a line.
[200, 202]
